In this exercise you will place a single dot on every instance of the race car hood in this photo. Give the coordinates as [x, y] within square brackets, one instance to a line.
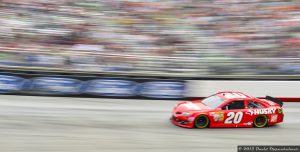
[191, 106]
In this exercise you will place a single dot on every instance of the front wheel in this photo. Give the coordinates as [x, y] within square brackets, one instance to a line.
[260, 121]
[201, 121]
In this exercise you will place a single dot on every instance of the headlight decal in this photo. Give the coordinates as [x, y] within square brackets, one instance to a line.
[186, 114]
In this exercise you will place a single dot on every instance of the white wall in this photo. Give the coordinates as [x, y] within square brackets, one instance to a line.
[202, 88]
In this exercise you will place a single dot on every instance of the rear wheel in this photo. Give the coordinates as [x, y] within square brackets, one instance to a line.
[260, 121]
[201, 121]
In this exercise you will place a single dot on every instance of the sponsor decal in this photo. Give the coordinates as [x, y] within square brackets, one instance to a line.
[260, 111]
[10, 84]
[162, 89]
[247, 123]
[218, 116]
[111, 87]
[274, 118]
[56, 85]
[191, 106]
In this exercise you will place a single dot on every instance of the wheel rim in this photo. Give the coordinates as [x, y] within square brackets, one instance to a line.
[260, 121]
[201, 122]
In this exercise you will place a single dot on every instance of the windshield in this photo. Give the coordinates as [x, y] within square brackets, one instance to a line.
[213, 101]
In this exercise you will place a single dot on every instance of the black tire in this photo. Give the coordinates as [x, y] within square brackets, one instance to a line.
[202, 121]
[260, 121]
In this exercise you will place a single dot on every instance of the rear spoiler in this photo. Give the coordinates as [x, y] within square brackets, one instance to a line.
[274, 100]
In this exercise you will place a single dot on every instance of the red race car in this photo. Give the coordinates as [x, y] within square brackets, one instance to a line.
[228, 109]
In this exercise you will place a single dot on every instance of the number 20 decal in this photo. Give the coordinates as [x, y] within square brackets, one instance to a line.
[234, 117]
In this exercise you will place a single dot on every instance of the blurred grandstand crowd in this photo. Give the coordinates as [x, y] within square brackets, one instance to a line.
[199, 37]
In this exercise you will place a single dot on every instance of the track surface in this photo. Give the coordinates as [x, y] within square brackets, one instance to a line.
[54, 124]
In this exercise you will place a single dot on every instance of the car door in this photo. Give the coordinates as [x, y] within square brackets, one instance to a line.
[235, 114]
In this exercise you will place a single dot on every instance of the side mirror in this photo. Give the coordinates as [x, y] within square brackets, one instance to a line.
[225, 107]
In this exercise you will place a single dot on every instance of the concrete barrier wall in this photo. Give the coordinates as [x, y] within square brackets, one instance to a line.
[279, 89]
[138, 86]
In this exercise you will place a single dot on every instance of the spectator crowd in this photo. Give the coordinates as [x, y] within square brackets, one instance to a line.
[201, 37]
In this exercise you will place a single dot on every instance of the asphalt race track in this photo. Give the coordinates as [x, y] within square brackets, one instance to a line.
[61, 124]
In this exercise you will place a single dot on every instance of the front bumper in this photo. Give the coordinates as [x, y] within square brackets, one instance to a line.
[182, 122]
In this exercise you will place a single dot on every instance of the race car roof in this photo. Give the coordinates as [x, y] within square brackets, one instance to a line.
[234, 95]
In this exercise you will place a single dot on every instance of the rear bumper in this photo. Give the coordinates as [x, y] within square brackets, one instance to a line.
[181, 123]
